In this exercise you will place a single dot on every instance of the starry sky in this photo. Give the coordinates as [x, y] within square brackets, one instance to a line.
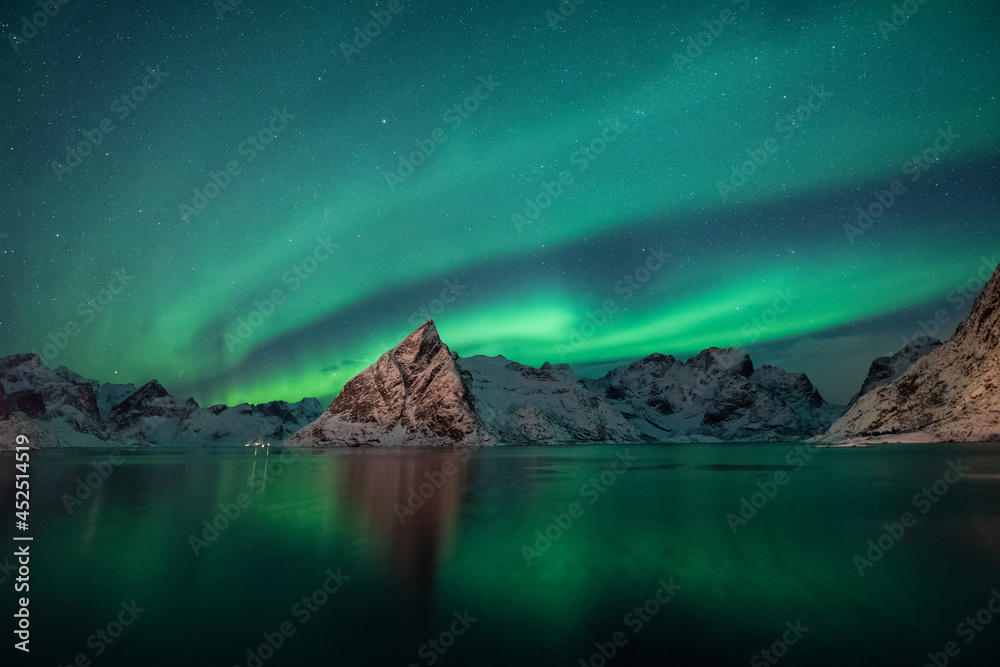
[253, 201]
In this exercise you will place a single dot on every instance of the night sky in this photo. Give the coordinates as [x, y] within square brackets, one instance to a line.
[263, 199]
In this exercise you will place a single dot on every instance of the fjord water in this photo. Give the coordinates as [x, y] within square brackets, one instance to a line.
[646, 516]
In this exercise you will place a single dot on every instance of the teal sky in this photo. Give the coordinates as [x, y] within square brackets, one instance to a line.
[627, 150]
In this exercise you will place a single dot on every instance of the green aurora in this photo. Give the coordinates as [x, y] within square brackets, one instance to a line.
[620, 144]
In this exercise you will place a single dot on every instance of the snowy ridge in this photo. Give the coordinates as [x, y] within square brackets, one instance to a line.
[422, 394]
[109, 395]
[716, 396]
[948, 395]
[61, 408]
[886, 369]
[60, 403]
[519, 404]
[12, 425]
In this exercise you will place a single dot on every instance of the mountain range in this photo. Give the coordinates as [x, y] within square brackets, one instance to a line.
[422, 393]
[61, 408]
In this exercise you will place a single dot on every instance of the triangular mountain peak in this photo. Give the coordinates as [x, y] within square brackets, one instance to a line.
[413, 394]
[420, 346]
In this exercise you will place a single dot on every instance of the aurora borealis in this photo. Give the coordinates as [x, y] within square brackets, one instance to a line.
[271, 198]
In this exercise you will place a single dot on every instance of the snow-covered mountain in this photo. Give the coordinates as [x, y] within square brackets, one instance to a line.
[60, 403]
[61, 408]
[518, 404]
[109, 395]
[950, 394]
[886, 369]
[151, 415]
[413, 395]
[13, 425]
[421, 393]
[716, 395]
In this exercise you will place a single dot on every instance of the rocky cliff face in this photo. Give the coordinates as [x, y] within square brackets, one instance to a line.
[109, 395]
[6, 411]
[60, 402]
[886, 369]
[950, 394]
[13, 425]
[519, 404]
[62, 408]
[413, 395]
[716, 395]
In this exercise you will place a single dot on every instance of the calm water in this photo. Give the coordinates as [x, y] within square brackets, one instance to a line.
[403, 577]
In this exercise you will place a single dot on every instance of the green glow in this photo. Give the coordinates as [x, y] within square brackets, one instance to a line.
[528, 289]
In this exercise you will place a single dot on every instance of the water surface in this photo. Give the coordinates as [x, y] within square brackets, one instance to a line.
[466, 557]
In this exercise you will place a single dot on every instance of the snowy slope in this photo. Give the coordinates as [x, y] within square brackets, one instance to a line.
[886, 369]
[59, 403]
[150, 415]
[109, 395]
[65, 409]
[797, 392]
[715, 395]
[519, 404]
[950, 394]
[13, 425]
